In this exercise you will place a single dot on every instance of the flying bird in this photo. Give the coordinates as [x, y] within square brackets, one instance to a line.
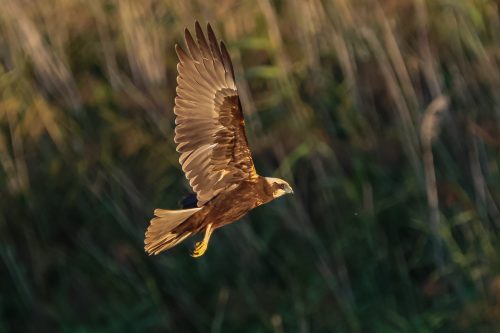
[213, 147]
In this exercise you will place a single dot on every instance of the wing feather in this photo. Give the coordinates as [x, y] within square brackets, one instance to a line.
[202, 42]
[226, 60]
[210, 132]
[193, 48]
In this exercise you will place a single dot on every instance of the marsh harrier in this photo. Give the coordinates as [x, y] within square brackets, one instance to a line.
[214, 153]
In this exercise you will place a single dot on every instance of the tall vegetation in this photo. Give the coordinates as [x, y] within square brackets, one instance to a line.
[384, 115]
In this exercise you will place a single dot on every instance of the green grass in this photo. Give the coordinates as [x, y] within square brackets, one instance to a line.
[384, 116]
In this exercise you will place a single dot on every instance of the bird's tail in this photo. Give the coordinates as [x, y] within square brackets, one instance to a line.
[161, 234]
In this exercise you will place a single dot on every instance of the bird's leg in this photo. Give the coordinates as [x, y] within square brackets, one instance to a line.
[201, 247]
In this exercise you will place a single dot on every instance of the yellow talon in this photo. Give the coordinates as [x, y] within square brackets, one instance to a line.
[201, 247]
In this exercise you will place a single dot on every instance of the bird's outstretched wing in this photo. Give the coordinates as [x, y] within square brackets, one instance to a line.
[210, 129]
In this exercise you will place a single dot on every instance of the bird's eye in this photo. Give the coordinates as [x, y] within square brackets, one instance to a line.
[282, 186]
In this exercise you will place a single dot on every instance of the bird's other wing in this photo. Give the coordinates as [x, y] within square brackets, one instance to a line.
[210, 129]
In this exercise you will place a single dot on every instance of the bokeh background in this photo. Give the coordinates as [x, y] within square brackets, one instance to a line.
[383, 115]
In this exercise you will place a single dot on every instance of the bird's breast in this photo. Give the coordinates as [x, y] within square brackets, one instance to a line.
[233, 205]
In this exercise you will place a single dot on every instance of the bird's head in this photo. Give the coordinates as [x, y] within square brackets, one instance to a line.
[279, 187]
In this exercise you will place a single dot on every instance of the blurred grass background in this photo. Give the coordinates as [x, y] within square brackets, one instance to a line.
[384, 115]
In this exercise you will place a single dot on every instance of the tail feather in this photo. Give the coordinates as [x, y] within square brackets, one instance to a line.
[160, 235]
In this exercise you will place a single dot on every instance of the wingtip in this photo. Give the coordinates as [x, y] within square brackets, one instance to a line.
[211, 33]
[199, 30]
[179, 50]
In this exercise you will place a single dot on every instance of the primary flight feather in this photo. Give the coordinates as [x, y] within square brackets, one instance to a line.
[214, 153]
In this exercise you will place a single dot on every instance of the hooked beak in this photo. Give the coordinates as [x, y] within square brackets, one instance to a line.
[288, 190]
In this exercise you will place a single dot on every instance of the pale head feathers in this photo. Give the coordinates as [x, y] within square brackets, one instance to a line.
[279, 186]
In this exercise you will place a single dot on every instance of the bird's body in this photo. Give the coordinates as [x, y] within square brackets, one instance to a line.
[230, 206]
[214, 152]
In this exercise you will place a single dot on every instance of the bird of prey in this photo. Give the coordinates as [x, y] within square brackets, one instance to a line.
[214, 153]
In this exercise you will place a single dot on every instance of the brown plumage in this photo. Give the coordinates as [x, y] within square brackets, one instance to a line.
[214, 153]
